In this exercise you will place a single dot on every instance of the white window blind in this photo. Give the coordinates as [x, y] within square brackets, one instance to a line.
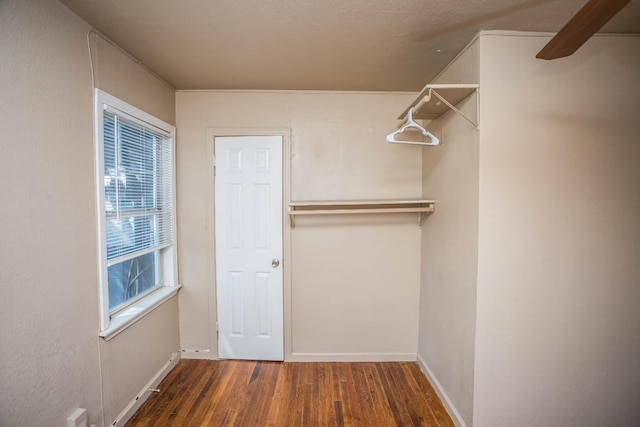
[138, 190]
[135, 180]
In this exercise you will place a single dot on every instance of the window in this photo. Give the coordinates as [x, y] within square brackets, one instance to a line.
[135, 174]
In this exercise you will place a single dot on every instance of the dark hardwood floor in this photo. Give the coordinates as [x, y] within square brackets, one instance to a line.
[249, 393]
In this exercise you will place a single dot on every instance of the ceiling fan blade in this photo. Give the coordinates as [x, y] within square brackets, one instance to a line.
[581, 27]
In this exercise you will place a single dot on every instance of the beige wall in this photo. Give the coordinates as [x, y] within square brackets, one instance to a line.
[530, 268]
[49, 317]
[559, 237]
[49, 307]
[558, 210]
[341, 305]
[131, 359]
[120, 75]
[449, 247]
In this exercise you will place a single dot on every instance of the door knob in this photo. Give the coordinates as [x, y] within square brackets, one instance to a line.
[275, 263]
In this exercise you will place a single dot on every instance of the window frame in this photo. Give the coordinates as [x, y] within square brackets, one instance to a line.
[115, 321]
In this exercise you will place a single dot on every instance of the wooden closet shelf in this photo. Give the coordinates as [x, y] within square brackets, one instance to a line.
[436, 99]
[346, 207]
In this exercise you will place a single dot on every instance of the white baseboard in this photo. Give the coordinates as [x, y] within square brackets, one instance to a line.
[198, 354]
[451, 409]
[351, 357]
[144, 394]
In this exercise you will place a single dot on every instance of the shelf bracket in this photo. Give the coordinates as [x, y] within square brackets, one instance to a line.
[292, 221]
[448, 104]
[436, 99]
[422, 218]
[424, 215]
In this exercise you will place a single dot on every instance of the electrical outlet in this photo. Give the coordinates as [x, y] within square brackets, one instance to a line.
[79, 418]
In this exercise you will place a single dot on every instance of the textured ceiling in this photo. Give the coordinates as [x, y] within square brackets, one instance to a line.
[389, 45]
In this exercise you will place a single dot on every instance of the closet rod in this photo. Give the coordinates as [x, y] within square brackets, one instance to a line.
[422, 207]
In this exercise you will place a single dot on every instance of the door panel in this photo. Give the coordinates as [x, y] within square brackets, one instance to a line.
[248, 224]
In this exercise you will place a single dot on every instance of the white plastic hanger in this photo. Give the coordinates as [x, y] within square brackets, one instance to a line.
[433, 141]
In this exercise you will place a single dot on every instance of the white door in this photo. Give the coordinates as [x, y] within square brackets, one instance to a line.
[248, 212]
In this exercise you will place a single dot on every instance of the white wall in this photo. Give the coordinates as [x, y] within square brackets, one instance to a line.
[341, 305]
[49, 317]
[559, 237]
[449, 247]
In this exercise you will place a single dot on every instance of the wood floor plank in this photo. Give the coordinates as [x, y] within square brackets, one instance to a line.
[425, 389]
[250, 393]
[383, 412]
[345, 396]
[172, 393]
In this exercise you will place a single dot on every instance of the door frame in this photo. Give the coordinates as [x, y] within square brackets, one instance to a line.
[212, 133]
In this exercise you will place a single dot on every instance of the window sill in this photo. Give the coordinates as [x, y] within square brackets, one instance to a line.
[138, 310]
